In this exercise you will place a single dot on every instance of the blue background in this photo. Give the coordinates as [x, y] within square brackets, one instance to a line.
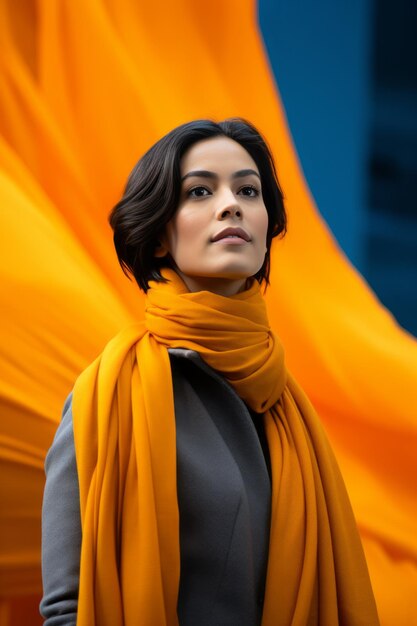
[347, 74]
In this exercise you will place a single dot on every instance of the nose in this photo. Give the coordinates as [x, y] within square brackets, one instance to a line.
[228, 206]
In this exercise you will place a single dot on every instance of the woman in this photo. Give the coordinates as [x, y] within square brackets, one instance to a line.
[198, 471]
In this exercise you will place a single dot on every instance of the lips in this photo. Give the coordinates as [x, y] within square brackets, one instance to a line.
[232, 232]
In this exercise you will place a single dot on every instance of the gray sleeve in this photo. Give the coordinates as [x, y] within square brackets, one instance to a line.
[61, 528]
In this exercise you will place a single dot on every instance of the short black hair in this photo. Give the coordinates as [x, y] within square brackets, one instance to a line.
[153, 189]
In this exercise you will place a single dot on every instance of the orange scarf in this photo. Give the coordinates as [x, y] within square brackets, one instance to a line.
[124, 429]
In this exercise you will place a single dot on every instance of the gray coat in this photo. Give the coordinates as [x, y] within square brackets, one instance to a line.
[224, 496]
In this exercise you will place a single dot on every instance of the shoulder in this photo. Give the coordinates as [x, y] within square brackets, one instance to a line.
[64, 437]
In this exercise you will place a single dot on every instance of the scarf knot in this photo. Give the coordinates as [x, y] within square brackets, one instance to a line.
[231, 334]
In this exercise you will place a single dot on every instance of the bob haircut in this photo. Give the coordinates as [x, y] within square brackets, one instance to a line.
[153, 191]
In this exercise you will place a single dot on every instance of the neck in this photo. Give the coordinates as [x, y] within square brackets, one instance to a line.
[221, 286]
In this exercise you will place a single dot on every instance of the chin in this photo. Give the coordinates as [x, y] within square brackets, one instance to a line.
[232, 276]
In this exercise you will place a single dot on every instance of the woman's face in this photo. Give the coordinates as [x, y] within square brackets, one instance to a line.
[217, 237]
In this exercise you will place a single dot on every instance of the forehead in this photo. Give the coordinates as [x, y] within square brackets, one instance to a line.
[217, 154]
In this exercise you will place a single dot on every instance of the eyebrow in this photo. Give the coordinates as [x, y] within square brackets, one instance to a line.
[213, 175]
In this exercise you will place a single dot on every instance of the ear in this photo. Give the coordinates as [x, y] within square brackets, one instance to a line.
[160, 250]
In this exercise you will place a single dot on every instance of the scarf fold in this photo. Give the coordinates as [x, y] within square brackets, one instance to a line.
[124, 431]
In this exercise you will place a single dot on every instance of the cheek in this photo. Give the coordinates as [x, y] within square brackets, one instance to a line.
[261, 224]
[181, 232]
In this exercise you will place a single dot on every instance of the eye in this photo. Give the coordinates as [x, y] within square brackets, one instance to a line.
[250, 191]
[198, 192]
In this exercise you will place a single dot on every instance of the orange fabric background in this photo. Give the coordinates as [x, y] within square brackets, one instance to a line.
[85, 88]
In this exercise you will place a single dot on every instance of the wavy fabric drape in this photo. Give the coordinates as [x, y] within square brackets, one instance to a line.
[85, 88]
